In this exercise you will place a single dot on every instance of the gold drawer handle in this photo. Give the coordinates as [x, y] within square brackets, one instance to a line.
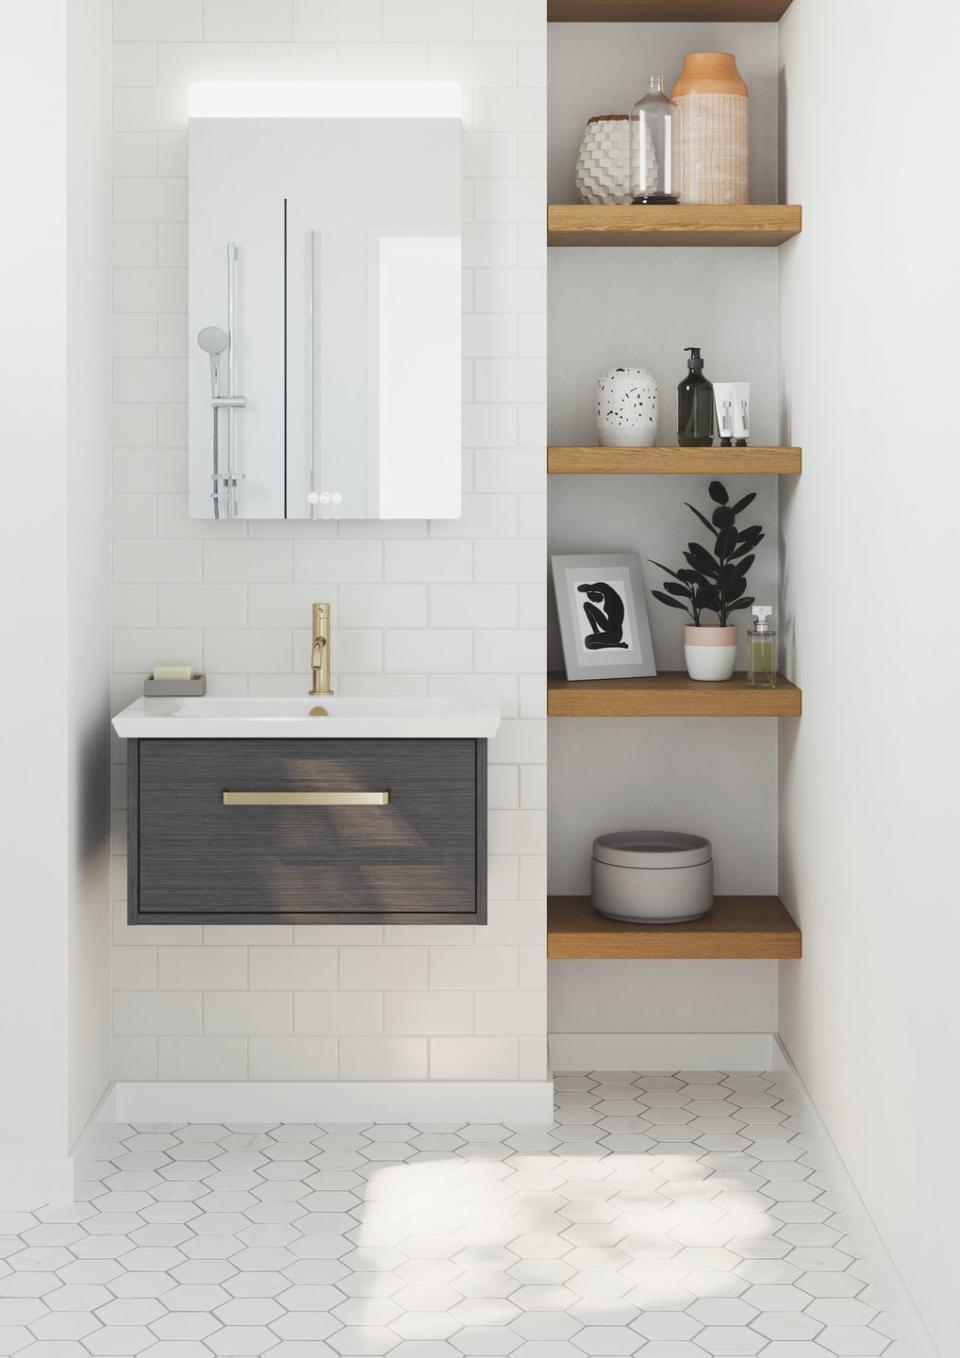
[306, 798]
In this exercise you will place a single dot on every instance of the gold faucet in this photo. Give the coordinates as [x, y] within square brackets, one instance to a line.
[320, 651]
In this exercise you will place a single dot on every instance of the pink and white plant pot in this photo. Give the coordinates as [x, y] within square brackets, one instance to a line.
[710, 651]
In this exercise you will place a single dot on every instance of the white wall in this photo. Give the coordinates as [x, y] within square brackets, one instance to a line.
[33, 710]
[418, 607]
[53, 584]
[613, 307]
[868, 776]
[88, 549]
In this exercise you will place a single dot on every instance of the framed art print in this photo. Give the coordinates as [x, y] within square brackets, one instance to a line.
[603, 616]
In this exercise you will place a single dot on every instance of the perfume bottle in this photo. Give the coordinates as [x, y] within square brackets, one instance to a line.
[761, 650]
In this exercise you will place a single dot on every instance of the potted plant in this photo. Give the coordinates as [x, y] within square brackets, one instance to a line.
[713, 581]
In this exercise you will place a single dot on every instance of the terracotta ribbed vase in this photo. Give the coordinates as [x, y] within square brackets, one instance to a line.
[714, 129]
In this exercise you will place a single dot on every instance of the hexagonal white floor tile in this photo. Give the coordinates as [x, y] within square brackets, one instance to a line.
[667, 1216]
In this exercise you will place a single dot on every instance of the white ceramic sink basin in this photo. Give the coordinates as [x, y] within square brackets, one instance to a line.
[273, 718]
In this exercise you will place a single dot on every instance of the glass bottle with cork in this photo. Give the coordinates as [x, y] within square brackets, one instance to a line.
[762, 649]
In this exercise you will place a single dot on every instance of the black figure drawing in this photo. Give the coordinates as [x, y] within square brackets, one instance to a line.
[604, 611]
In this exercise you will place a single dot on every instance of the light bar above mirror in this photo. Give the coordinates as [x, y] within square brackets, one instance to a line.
[329, 99]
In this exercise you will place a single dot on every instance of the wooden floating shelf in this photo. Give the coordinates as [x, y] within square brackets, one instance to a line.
[751, 224]
[672, 694]
[668, 461]
[666, 11]
[736, 927]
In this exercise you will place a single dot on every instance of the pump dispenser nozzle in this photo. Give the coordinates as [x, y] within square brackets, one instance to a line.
[694, 362]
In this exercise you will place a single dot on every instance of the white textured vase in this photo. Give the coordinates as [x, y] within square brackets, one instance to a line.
[627, 408]
[714, 129]
[603, 161]
[710, 652]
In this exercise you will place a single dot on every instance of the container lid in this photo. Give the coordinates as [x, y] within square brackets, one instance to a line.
[652, 849]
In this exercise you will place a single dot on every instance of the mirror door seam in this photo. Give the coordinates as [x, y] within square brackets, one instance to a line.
[286, 356]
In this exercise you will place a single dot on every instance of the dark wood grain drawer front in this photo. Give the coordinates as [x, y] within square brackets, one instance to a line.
[394, 832]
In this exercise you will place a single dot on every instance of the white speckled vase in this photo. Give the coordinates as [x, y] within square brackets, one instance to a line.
[603, 161]
[627, 408]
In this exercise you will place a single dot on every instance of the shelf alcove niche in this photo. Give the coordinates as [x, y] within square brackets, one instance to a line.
[614, 304]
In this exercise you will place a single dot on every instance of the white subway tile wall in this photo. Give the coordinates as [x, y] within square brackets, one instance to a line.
[421, 608]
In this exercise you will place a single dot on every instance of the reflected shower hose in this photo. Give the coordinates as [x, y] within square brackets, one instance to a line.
[216, 462]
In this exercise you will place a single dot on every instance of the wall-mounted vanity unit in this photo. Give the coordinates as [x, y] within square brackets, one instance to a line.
[325, 301]
[257, 811]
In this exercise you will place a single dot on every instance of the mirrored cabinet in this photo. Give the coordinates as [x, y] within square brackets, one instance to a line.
[325, 302]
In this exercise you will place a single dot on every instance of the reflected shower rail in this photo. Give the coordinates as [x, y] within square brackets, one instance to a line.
[214, 341]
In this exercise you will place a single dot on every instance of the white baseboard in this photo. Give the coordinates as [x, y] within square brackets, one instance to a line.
[518, 1101]
[27, 1184]
[914, 1339]
[661, 1051]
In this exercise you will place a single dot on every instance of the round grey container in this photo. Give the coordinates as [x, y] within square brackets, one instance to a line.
[652, 876]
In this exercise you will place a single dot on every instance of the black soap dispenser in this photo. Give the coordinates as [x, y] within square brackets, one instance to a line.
[695, 406]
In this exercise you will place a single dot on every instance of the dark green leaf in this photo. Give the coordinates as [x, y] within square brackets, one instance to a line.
[705, 521]
[737, 589]
[718, 493]
[741, 505]
[701, 560]
[741, 603]
[671, 603]
[726, 543]
[679, 591]
[666, 569]
[748, 544]
[722, 517]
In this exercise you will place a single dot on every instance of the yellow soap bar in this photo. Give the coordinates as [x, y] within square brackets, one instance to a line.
[173, 671]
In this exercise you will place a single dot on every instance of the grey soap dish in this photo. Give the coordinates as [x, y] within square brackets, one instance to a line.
[175, 688]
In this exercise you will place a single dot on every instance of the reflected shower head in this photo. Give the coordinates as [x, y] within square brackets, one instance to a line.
[213, 341]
